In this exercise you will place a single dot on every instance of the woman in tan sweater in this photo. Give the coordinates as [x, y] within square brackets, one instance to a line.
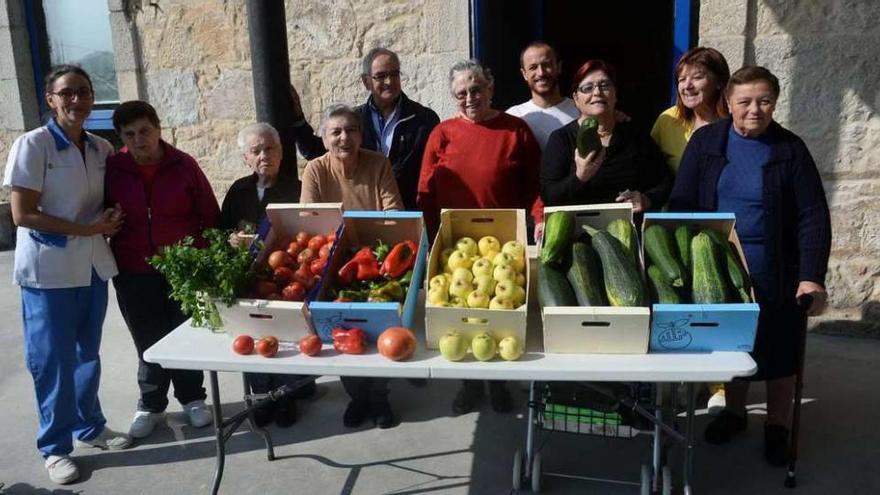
[361, 180]
[358, 178]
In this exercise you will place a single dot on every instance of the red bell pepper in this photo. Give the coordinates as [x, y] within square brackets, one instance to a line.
[400, 260]
[350, 341]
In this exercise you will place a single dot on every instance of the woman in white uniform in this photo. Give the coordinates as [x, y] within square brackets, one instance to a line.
[62, 263]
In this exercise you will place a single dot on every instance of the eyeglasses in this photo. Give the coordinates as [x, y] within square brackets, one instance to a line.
[68, 94]
[474, 92]
[603, 87]
[386, 76]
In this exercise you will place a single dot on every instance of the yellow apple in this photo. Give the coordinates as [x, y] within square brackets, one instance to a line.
[520, 280]
[459, 259]
[518, 263]
[467, 246]
[462, 273]
[437, 295]
[485, 284]
[457, 302]
[439, 281]
[477, 299]
[488, 244]
[482, 267]
[483, 346]
[510, 348]
[460, 288]
[519, 296]
[506, 290]
[514, 249]
[444, 256]
[502, 259]
[496, 303]
[504, 272]
[453, 346]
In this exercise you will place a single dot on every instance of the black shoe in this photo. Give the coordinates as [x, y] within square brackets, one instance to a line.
[285, 413]
[355, 414]
[720, 429]
[776, 445]
[500, 397]
[469, 394]
[263, 415]
[381, 412]
[305, 392]
[417, 382]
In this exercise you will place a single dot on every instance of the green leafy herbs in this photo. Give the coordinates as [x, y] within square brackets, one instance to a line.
[200, 276]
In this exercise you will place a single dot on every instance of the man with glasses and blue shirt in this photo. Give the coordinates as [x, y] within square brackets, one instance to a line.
[393, 124]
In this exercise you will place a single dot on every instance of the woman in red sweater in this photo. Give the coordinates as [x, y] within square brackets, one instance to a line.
[165, 197]
[481, 158]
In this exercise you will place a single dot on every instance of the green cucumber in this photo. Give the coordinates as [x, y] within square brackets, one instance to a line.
[683, 236]
[736, 274]
[661, 250]
[623, 230]
[623, 283]
[661, 291]
[709, 283]
[588, 137]
[585, 275]
[553, 288]
[558, 229]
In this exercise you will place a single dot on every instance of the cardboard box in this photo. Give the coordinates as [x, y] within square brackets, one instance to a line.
[363, 228]
[596, 329]
[506, 225]
[703, 327]
[286, 320]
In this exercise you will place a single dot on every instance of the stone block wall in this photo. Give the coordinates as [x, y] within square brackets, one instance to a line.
[824, 53]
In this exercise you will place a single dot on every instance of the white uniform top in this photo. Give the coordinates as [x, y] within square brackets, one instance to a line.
[543, 121]
[45, 160]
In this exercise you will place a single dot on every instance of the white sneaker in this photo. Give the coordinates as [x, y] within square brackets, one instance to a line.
[716, 403]
[62, 469]
[198, 412]
[144, 422]
[107, 440]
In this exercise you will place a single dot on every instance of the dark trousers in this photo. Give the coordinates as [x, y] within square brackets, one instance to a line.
[150, 314]
[365, 388]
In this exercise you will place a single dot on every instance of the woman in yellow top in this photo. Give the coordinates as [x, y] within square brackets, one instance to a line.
[702, 75]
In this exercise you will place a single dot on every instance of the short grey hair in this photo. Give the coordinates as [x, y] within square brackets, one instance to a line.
[367, 62]
[339, 110]
[470, 65]
[257, 129]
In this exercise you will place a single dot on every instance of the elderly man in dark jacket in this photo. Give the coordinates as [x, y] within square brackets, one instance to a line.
[392, 123]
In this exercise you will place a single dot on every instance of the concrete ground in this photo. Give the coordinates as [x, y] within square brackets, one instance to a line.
[430, 451]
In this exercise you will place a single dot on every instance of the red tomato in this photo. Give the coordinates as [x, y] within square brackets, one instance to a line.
[264, 288]
[293, 249]
[317, 266]
[305, 256]
[304, 276]
[243, 344]
[302, 236]
[310, 345]
[331, 237]
[279, 258]
[283, 275]
[396, 343]
[267, 346]
[316, 242]
[294, 292]
[324, 252]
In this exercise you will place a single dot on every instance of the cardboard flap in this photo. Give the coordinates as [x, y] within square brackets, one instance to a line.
[313, 218]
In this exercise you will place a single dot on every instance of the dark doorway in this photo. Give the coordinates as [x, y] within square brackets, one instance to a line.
[635, 36]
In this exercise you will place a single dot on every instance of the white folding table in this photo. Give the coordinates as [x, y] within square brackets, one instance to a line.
[200, 349]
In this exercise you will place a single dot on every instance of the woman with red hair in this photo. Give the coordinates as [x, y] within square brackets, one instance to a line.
[628, 167]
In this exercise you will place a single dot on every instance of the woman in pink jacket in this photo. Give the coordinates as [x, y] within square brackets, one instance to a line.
[165, 197]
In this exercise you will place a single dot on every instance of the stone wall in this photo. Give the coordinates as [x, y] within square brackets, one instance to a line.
[824, 53]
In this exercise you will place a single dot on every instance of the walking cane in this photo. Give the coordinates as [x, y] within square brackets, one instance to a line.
[804, 303]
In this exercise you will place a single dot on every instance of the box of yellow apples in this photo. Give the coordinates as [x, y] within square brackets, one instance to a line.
[477, 275]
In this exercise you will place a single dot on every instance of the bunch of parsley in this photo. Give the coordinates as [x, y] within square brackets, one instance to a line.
[200, 276]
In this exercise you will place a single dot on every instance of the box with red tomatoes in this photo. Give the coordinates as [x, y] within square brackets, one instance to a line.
[290, 266]
[374, 274]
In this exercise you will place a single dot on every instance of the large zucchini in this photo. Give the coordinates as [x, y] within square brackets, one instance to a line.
[683, 236]
[558, 229]
[553, 288]
[661, 291]
[624, 231]
[661, 251]
[585, 275]
[709, 284]
[588, 137]
[737, 275]
[623, 284]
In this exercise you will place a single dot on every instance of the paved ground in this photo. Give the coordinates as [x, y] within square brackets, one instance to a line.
[430, 451]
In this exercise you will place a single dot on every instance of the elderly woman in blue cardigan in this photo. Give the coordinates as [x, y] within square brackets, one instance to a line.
[750, 165]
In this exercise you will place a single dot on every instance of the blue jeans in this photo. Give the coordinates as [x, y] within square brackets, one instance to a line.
[62, 337]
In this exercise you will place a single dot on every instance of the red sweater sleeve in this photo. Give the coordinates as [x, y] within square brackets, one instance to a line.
[426, 197]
